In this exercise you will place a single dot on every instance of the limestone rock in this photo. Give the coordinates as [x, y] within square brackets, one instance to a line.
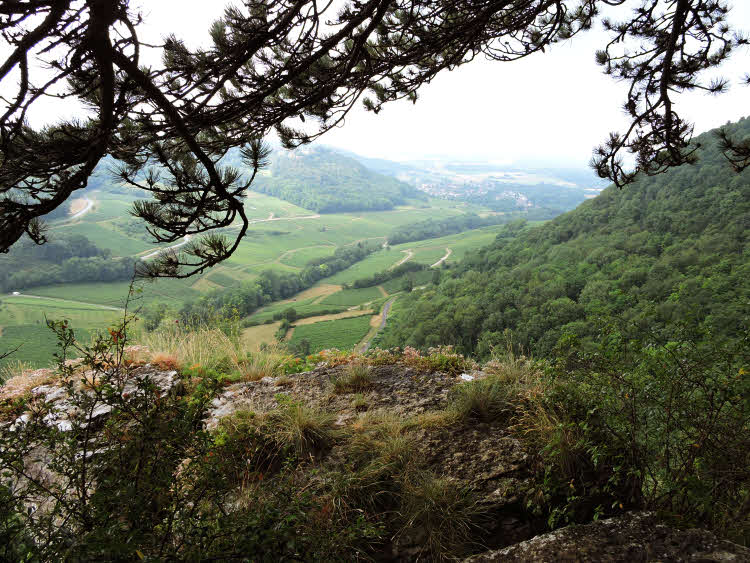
[631, 538]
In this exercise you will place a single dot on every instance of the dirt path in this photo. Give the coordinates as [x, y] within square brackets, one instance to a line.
[271, 217]
[379, 325]
[157, 252]
[409, 255]
[333, 317]
[319, 292]
[383, 291]
[286, 253]
[448, 252]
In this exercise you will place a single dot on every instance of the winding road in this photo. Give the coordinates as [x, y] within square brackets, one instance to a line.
[157, 252]
[448, 252]
[93, 305]
[383, 320]
[409, 254]
[82, 212]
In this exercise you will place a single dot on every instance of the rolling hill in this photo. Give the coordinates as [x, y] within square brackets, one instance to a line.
[666, 250]
[325, 181]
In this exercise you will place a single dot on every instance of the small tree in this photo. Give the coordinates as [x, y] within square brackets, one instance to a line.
[408, 284]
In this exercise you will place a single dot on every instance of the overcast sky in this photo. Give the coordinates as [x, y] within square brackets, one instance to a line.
[550, 108]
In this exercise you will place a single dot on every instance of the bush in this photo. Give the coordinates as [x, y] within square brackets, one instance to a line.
[651, 422]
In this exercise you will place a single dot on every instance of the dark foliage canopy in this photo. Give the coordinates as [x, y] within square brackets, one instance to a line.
[275, 64]
[670, 249]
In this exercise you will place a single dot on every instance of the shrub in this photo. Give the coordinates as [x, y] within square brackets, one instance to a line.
[651, 422]
[447, 513]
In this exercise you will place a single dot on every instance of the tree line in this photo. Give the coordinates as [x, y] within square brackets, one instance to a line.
[64, 259]
[431, 228]
[386, 275]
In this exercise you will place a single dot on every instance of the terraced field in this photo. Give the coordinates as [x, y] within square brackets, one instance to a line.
[283, 237]
[23, 323]
[343, 334]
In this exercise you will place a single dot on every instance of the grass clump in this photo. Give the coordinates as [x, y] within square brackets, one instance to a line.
[266, 362]
[300, 429]
[220, 350]
[355, 378]
[486, 400]
[446, 513]
[258, 443]
[13, 368]
[360, 402]
[380, 454]
[210, 348]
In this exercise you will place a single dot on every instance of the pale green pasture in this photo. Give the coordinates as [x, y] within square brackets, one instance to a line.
[301, 256]
[376, 262]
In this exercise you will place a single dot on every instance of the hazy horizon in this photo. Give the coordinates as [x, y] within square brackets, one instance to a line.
[528, 111]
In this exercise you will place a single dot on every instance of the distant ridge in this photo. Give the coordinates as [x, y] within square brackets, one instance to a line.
[326, 181]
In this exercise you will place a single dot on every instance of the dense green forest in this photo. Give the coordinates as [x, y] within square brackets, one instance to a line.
[439, 228]
[670, 248]
[64, 259]
[329, 182]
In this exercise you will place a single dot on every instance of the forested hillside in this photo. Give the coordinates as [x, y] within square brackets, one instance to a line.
[64, 259]
[667, 249]
[329, 182]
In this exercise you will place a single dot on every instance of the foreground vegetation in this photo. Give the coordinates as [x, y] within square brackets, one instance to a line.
[640, 423]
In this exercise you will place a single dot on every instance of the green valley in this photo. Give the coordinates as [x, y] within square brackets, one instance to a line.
[284, 239]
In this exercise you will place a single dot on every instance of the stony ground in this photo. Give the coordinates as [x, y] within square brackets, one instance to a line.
[483, 457]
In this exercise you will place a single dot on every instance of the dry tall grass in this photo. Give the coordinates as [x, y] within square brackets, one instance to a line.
[212, 349]
[17, 379]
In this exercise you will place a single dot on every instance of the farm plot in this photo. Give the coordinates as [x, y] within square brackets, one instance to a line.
[23, 323]
[351, 297]
[343, 334]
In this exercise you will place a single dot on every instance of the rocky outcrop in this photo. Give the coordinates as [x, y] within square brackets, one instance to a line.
[485, 458]
[631, 538]
[59, 410]
[397, 389]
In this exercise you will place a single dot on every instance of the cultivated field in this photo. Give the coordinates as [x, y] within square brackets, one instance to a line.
[23, 322]
[343, 334]
[283, 238]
